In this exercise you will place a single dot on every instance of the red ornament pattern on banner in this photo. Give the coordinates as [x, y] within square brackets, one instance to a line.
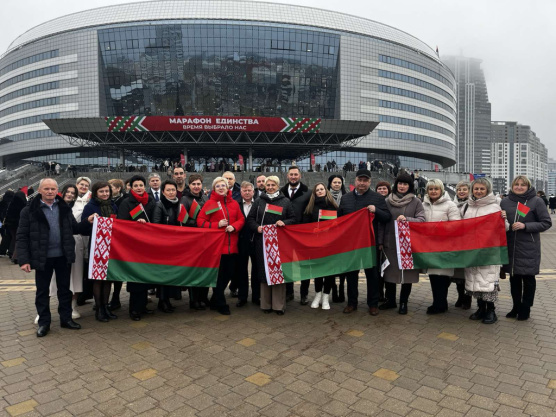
[404, 245]
[101, 250]
[273, 265]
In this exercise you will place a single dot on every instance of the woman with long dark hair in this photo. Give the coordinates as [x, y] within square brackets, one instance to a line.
[101, 205]
[337, 189]
[166, 211]
[138, 296]
[321, 199]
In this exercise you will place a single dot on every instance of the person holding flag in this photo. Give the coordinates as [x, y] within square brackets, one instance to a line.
[223, 212]
[322, 207]
[193, 201]
[139, 207]
[171, 212]
[272, 207]
[528, 216]
[482, 282]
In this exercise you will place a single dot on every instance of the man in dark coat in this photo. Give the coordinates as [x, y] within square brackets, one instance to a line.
[362, 196]
[259, 186]
[233, 185]
[45, 243]
[299, 195]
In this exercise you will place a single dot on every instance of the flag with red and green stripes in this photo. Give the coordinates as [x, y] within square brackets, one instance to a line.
[154, 253]
[136, 212]
[194, 209]
[212, 207]
[456, 244]
[182, 215]
[328, 214]
[522, 209]
[271, 208]
[311, 250]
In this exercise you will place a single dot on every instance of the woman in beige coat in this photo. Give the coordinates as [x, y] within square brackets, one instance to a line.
[439, 208]
[403, 205]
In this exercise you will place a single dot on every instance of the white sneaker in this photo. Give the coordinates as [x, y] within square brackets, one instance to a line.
[316, 301]
[325, 303]
[74, 313]
[36, 319]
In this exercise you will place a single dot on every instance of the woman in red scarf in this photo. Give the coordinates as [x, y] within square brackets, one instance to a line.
[137, 195]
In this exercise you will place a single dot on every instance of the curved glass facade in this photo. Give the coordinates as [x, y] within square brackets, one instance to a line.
[219, 69]
[171, 57]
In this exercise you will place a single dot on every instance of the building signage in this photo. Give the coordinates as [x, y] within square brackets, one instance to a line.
[212, 124]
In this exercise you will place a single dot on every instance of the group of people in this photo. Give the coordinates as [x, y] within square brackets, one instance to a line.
[53, 237]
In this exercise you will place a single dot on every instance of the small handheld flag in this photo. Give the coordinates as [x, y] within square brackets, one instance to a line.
[327, 215]
[270, 208]
[213, 208]
[183, 216]
[194, 209]
[137, 211]
[522, 209]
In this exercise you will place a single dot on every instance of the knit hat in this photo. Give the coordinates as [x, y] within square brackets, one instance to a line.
[405, 178]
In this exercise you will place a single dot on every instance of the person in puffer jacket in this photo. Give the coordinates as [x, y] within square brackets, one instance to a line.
[482, 282]
[439, 208]
[524, 244]
[222, 212]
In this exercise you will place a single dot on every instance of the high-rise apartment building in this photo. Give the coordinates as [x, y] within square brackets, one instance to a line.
[551, 185]
[473, 129]
[516, 150]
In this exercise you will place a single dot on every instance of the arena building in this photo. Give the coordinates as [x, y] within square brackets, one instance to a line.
[82, 88]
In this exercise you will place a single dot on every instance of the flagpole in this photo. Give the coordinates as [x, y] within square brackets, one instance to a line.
[145, 213]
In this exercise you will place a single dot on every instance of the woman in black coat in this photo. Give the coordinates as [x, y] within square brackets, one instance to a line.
[101, 204]
[166, 211]
[272, 297]
[524, 244]
[12, 221]
[321, 199]
[138, 296]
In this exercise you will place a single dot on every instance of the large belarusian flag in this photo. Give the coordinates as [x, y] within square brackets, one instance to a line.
[312, 250]
[457, 244]
[154, 254]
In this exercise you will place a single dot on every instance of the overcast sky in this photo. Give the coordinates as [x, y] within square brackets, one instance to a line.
[515, 39]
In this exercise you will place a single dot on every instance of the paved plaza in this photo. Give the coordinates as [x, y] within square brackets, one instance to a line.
[306, 363]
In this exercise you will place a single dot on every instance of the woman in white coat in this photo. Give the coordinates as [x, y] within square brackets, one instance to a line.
[81, 242]
[482, 282]
[439, 208]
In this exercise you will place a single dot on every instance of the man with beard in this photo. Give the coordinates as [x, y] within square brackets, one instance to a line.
[299, 195]
[260, 186]
[179, 177]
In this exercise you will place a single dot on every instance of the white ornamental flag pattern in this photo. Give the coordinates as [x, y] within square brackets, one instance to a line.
[272, 262]
[101, 239]
[403, 245]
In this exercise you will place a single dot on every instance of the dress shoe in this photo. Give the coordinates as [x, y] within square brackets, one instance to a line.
[42, 331]
[164, 308]
[289, 297]
[234, 294]
[70, 325]
[100, 315]
[241, 303]
[349, 309]
[114, 305]
[512, 314]
[147, 311]
[109, 314]
[134, 315]
[267, 311]
[387, 305]
[225, 311]
[435, 310]
[280, 312]
[304, 301]
[403, 308]
[195, 305]
[373, 311]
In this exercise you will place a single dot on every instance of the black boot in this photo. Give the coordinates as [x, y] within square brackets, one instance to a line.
[109, 314]
[100, 313]
[513, 312]
[481, 311]
[490, 316]
[403, 308]
[335, 298]
[466, 303]
[523, 313]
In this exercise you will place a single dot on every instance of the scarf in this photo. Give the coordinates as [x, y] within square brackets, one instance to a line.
[396, 201]
[105, 207]
[274, 195]
[522, 198]
[143, 199]
[337, 195]
[169, 203]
